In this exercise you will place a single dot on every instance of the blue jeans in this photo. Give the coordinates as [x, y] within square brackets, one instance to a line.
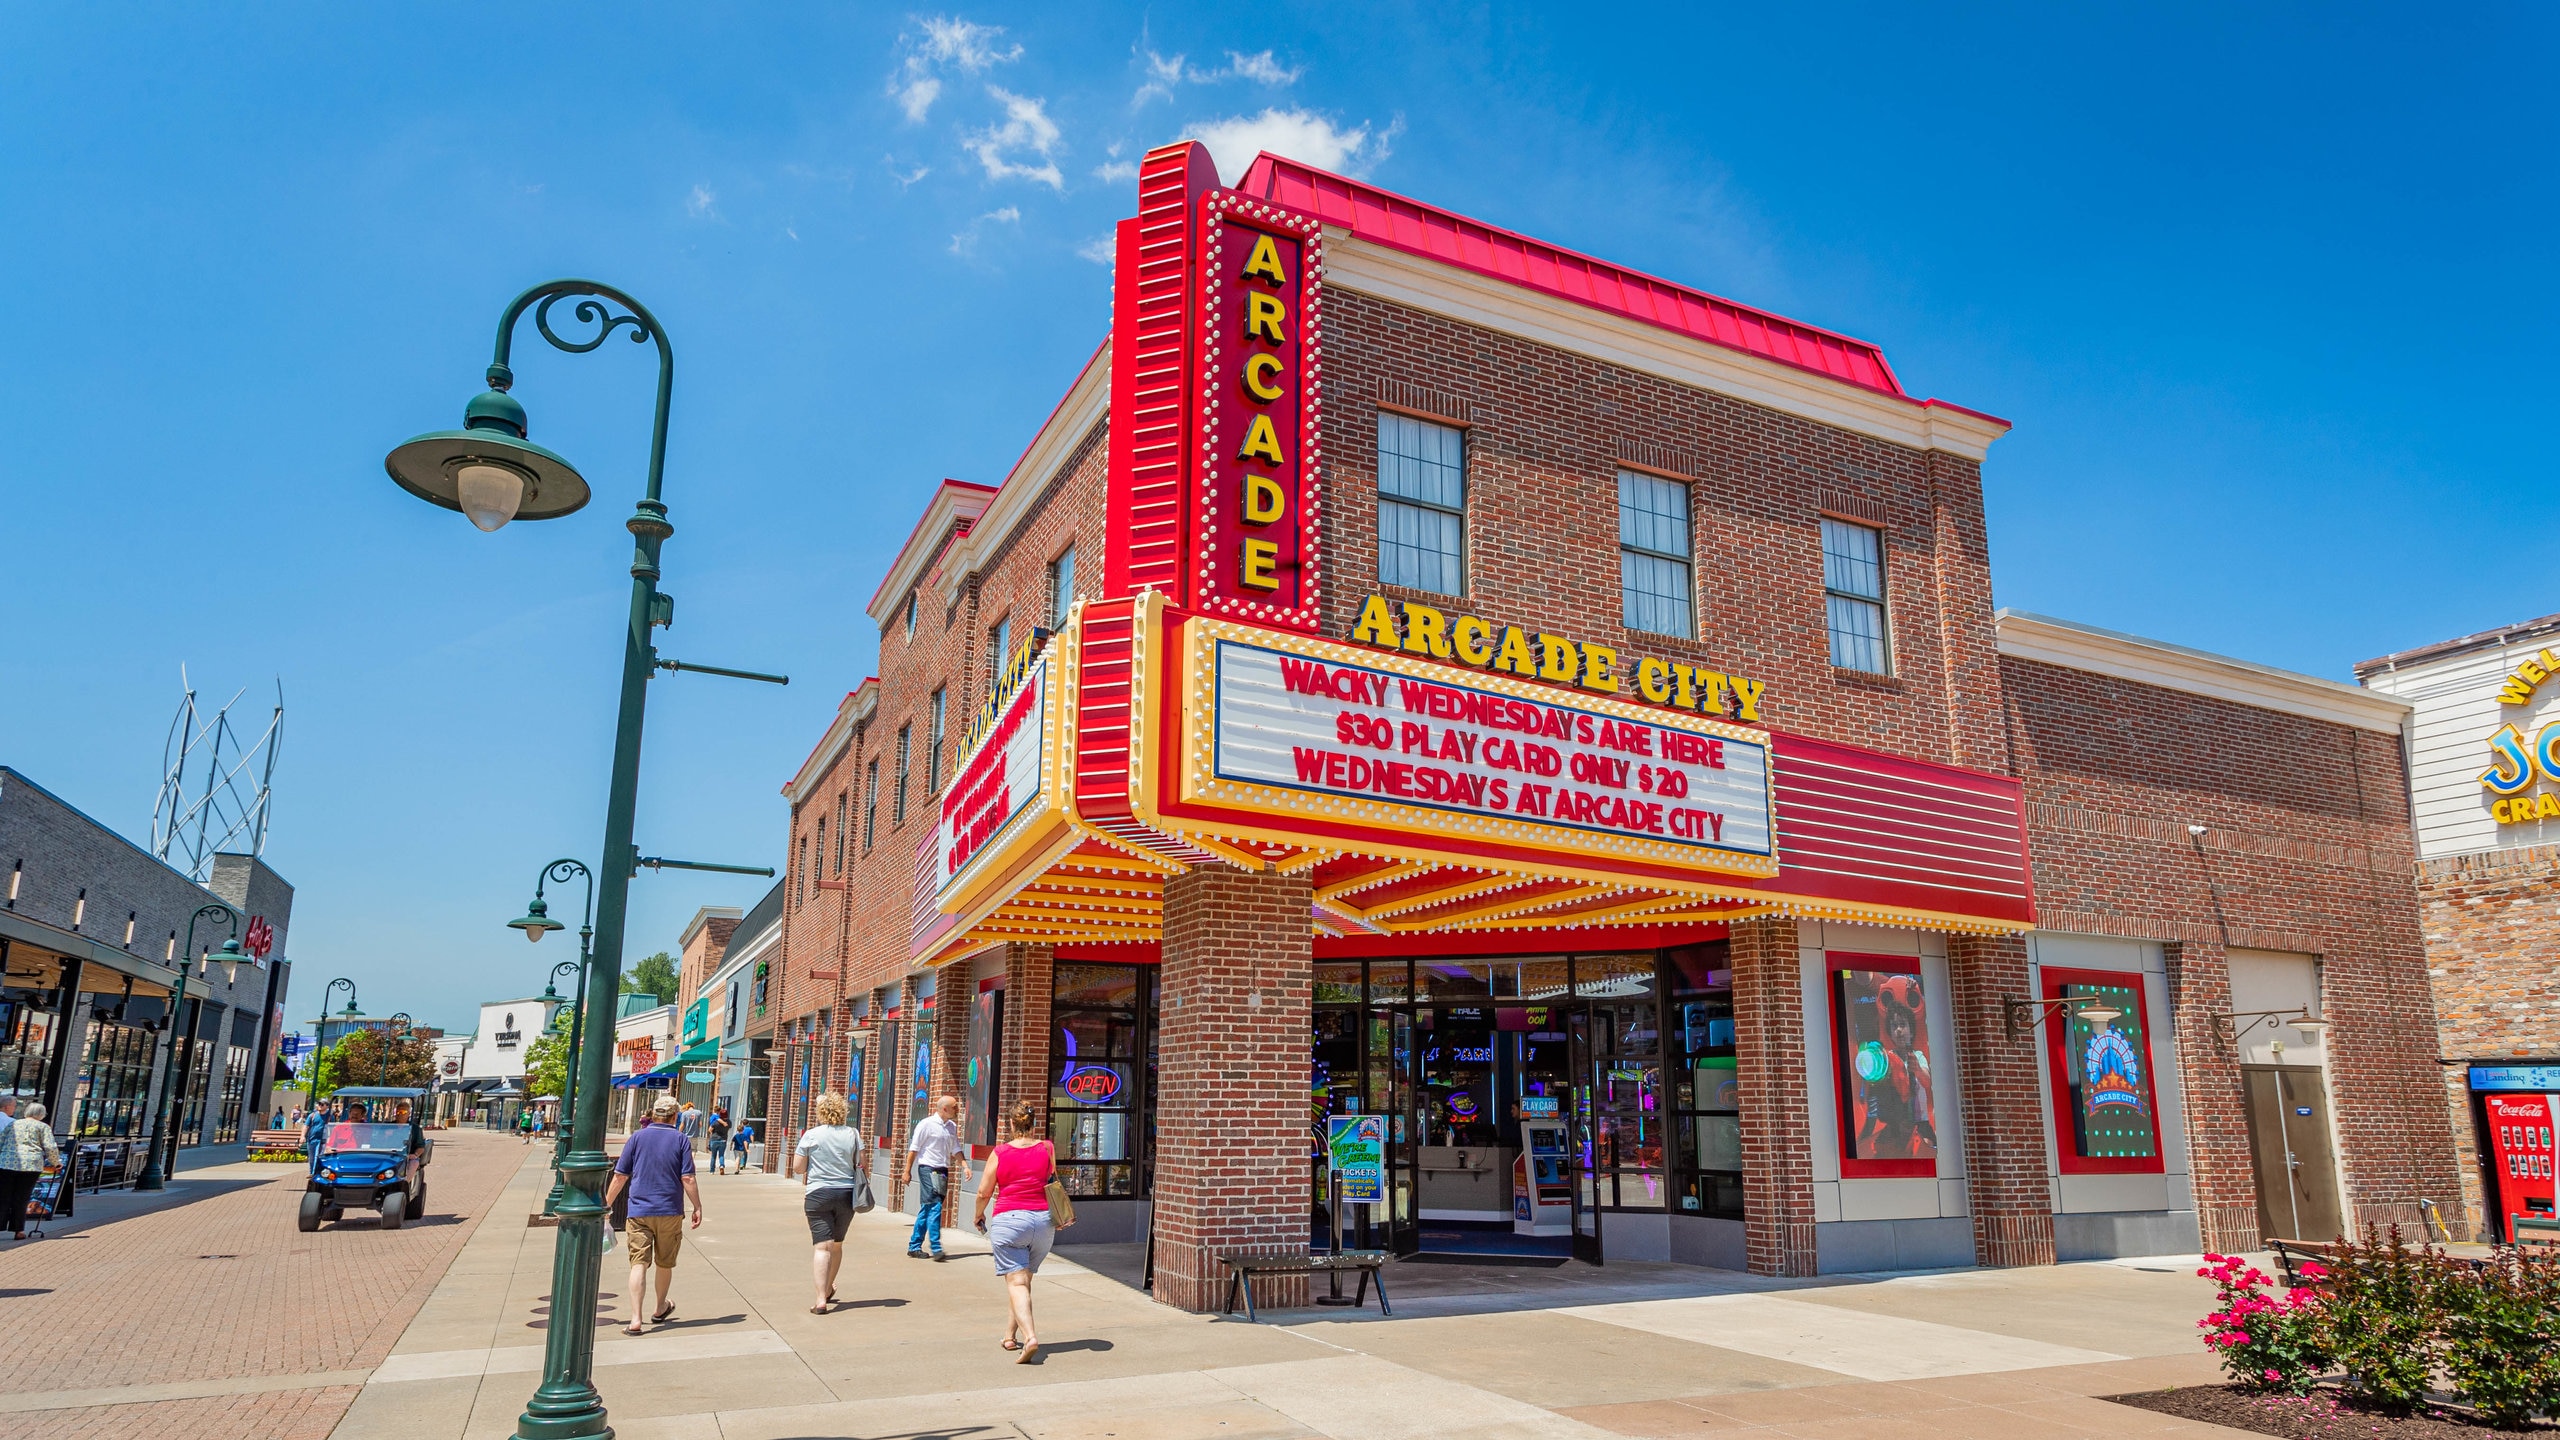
[935, 1184]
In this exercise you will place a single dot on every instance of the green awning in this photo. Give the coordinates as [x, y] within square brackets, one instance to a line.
[700, 1053]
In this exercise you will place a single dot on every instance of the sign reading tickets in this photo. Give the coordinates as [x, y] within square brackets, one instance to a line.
[1001, 777]
[1356, 1152]
[1425, 747]
[1256, 555]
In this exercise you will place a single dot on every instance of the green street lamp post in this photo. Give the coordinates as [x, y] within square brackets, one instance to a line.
[536, 922]
[488, 471]
[173, 1074]
[395, 1028]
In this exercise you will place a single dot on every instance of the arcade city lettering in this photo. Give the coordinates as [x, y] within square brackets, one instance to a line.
[1589, 665]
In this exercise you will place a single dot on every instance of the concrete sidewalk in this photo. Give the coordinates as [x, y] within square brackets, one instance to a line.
[1626, 1350]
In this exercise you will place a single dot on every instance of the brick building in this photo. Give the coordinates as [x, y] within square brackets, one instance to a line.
[2484, 774]
[1421, 673]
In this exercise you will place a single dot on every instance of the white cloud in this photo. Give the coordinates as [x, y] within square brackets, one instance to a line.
[702, 204]
[1116, 171]
[1027, 135]
[948, 43]
[1298, 134]
[1260, 69]
[965, 243]
[904, 178]
[1101, 250]
[1165, 75]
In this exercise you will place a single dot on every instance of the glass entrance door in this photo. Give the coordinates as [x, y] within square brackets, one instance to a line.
[1585, 1142]
[1362, 1064]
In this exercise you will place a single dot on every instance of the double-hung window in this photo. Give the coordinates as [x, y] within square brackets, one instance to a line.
[1853, 594]
[870, 804]
[999, 649]
[1422, 505]
[1653, 553]
[1062, 586]
[933, 744]
[898, 797]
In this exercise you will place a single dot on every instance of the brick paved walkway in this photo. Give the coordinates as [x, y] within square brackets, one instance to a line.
[208, 1315]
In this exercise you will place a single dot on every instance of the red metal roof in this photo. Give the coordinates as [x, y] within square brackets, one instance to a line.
[1384, 218]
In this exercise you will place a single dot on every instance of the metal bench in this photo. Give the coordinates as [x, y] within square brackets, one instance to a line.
[2292, 1255]
[1242, 1270]
[2540, 1231]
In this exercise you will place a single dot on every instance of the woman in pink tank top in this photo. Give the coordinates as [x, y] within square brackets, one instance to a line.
[1015, 1190]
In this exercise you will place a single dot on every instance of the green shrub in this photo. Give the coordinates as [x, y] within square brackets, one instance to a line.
[2502, 1337]
[2384, 1317]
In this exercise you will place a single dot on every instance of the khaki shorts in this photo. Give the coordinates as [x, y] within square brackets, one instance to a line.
[654, 1239]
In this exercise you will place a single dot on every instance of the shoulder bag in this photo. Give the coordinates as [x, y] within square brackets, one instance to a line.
[863, 1200]
[1062, 1211]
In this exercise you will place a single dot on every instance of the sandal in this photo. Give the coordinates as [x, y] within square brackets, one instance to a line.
[1029, 1349]
[1009, 1343]
[823, 1307]
[633, 1329]
[661, 1317]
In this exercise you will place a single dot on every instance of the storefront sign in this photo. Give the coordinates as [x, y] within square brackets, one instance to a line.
[2515, 762]
[1257, 551]
[2515, 1077]
[1356, 1152]
[1000, 778]
[697, 1020]
[1426, 631]
[1425, 747]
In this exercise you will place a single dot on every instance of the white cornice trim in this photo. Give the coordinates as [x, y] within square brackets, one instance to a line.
[855, 708]
[953, 501]
[2049, 641]
[1087, 402]
[1408, 279]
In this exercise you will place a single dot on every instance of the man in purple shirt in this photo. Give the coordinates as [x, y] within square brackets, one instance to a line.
[656, 1166]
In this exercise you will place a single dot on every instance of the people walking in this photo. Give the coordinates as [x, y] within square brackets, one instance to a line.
[717, 1128]
[738, 1139]
[1016, 1188]
[27, 1148]
[656, 1167]
[929, 1151]
[829, 1159]
[689, 1125]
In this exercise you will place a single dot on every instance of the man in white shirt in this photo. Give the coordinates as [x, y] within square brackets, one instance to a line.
[929, 1154]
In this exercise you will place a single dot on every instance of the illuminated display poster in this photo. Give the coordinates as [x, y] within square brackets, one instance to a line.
[2109, 1106]
[1888, 1096]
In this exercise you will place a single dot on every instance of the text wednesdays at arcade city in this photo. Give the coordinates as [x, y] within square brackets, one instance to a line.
[1300, 727]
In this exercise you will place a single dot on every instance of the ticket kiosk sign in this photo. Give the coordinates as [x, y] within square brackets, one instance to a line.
[1356, 1153]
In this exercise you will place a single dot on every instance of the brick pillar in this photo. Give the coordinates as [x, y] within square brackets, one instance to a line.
[884, 1178]
[2004, 1114]
[2217, 1107]
[1769, 1066]
[1029, 971]
[1231, 1116]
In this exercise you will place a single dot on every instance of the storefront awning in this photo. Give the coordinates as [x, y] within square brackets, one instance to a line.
[701, 1052]
[1422, 797]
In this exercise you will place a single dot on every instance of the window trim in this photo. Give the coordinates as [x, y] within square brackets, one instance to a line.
[1466, 495]
[935, 717]
[1061, 600]
[1882, 599]
[1688, 563]
[870, 804]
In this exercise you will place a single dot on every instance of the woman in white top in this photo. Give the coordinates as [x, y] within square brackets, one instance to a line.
[829, 1159]
[26, 1148]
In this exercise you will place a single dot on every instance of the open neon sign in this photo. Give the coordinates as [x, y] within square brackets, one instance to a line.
[1086, 1084]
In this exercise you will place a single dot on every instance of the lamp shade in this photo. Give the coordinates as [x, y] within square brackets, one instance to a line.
[536, 921]
[487, 469]
[232, 958]
[2099, 1014]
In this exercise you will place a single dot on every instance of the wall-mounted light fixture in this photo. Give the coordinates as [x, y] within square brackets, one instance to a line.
[2312, 1026]
[2024, 1015]
[80, 909]
[17, 872]
[129, 917]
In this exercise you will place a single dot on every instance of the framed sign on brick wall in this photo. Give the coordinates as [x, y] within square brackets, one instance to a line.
[1881, 1069]
[2106, 1106]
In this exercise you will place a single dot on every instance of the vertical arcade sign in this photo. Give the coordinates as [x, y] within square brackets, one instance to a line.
[1215, 491]
[1257, 553]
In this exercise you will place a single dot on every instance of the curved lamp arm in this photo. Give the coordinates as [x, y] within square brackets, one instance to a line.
[644, 326]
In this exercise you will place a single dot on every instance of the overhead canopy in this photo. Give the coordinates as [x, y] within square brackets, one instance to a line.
[1146, 741]
[698, 1053]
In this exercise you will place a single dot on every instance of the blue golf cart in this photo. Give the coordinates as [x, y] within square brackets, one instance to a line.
[368, 1159]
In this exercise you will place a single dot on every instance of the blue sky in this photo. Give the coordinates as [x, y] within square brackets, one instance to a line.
[2267, 294]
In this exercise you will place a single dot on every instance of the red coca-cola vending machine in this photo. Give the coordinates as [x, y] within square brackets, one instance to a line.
[2519, 1124]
